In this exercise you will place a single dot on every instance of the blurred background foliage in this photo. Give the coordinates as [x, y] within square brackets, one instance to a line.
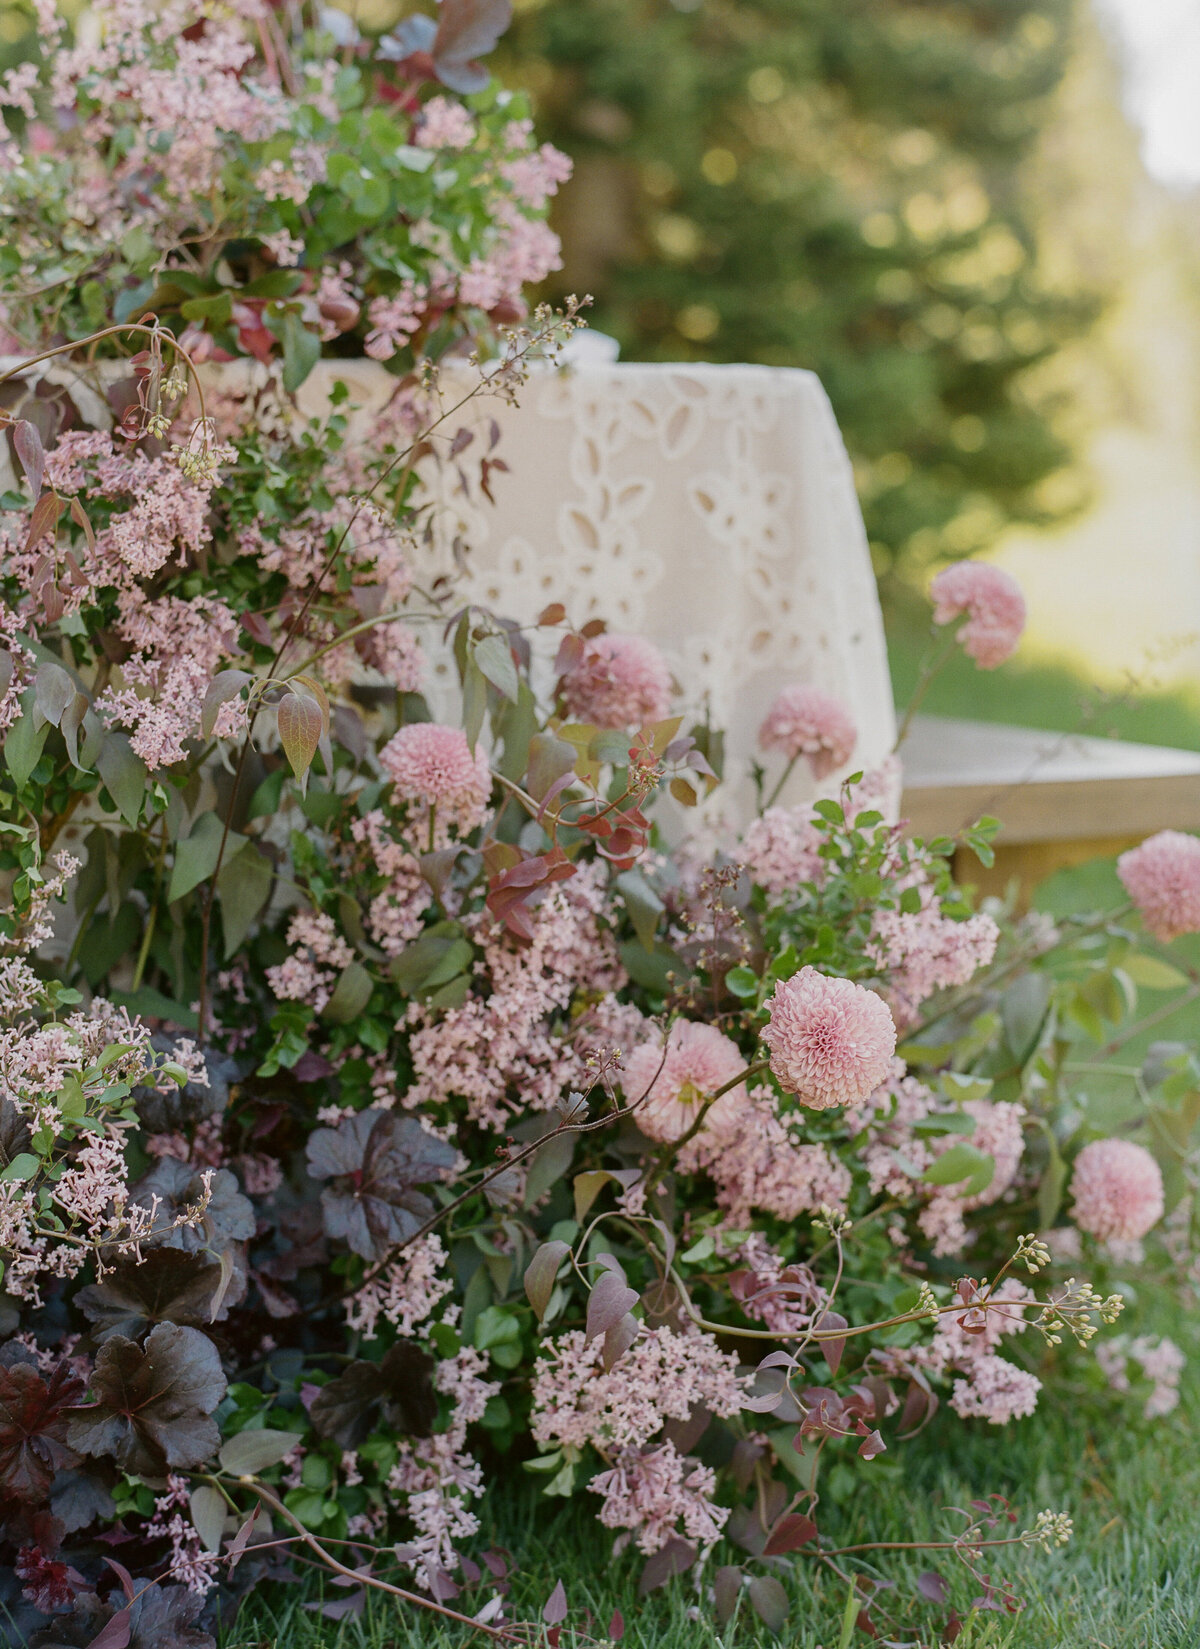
[842, 185]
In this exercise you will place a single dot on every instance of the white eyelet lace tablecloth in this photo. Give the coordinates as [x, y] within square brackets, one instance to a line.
[709, 508]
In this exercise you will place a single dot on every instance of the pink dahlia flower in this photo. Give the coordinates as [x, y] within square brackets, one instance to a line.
[1117, 1189]
[433, 765]
[619, 681]
[1162, 877]
[699, 1060]
[806, 721]
[994, 606]
[831, 1040]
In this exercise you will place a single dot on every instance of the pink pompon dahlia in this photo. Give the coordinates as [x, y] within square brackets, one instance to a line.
[994, 605]
[620, 681]
[831, 1040]
[807, 721]
[433, 765]
[699, 1059]
[1117, 1188]
[1162, 877]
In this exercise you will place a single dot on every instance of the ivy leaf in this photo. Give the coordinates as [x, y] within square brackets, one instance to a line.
[153, 1406]
[33, 1428]
[376, 1160]
[401, 1386]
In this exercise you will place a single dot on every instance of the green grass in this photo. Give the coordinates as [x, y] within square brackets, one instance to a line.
[1026, 695]
[1131, 1576]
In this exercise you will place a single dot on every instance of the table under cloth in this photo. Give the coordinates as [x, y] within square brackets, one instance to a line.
[709, 508]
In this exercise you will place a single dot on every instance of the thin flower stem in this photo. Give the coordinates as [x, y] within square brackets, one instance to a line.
[783, 779]
[936, 655]
[501, 1634]
[1144, 1024]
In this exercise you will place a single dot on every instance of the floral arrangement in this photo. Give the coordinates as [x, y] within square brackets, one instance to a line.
[383, 1097]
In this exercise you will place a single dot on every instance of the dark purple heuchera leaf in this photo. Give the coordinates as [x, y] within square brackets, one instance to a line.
[78, 1498]
[401, 1385]
[159, 1617]
[153, 1407]
[167, 1286]
[14, 1133]
[229, 1217]
[178, 1108]
[376, 1160]
[33, 1428]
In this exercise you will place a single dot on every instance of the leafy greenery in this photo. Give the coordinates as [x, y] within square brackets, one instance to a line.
[832, 184]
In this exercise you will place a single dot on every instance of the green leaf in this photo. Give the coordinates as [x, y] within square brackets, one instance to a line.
[1153, 974]
[301, 351]
[493, 658]
[217, 308]
[209, 1512]
[649, 970]
[152, 1004]
[22, 1167]
[254, 1451]
[196, 858]
[125, 775]
[350, 995]
[1050, 1190]
[549, 759]
[742, 982]
[23, 742]
[474, 701]
[541, 1273]
[960, 1162]
[643, 905]
[243, 887]
[1023, 1011]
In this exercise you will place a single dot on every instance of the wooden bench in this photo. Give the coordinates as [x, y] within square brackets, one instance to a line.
[1062, 798]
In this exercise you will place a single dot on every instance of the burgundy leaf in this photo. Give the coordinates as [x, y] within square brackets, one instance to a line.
[616, 1627]
[608, 1302]
[154, 1405]
[769, 1602]
[933, 1586]
[618, 1339]
[675, 1558]
[789, 1534]
[29, 449]
[33, 1428]
[727, 1584]
[116, 1632]
[554, 1610]
[401, 1385]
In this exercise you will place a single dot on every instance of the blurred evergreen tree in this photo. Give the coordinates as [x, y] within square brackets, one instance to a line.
[833, 184]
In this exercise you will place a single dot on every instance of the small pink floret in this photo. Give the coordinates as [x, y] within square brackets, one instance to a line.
[993, 603]
[619, 682]
[433, 764]
[1117, 1189]
[1162, 877]
[831, 1040]
[807, 721]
